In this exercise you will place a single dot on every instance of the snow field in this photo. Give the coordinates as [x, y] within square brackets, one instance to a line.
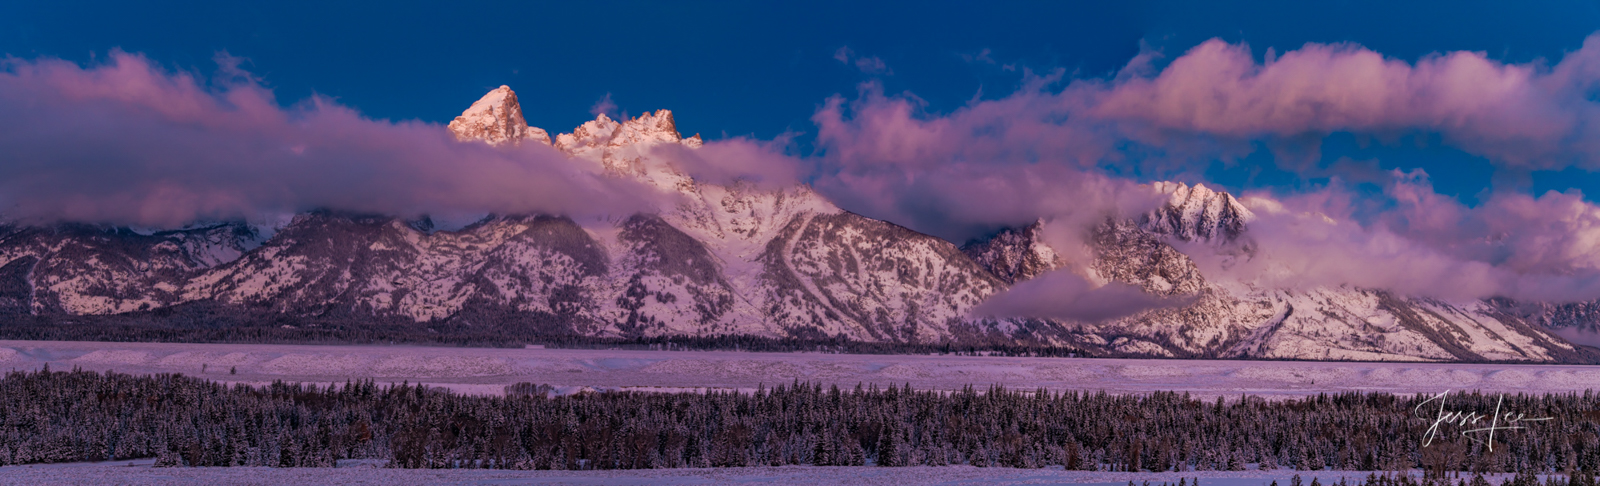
[487, 371]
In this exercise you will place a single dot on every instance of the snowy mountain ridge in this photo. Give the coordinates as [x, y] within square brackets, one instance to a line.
[1197, 214]
[1233, 319]
[736, 259]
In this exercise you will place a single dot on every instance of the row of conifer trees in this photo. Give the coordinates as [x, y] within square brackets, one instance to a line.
[55, 416]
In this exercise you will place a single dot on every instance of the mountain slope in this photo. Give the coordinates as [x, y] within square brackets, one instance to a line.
[1237, 320]
[844, 274]
[81, 269]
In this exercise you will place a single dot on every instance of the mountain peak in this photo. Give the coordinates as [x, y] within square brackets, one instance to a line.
[605, 137]
[590, 134]
[657, 127]
[1197, 213]
[496, 118]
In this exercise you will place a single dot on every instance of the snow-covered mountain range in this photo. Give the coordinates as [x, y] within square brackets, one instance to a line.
[745, 260]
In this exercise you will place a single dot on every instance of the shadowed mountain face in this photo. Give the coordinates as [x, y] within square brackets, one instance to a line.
[736, 260]
[80, 269]
[846, 274]
[663, 266]
[16, 285]
[1014, 254]
[1577, 317]
[351, 267]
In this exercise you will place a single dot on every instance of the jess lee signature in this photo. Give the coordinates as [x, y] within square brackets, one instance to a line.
[1497, 421]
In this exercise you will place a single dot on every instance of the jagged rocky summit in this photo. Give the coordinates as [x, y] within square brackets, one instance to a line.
[495, 119]
[733, 260]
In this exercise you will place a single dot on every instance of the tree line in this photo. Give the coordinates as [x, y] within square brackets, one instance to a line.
[57, 416]
[502, 331]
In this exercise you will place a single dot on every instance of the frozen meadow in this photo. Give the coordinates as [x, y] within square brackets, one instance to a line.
[487, 371]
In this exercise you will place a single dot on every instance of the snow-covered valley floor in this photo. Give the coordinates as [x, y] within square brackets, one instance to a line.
[140, 472]
[487, 371]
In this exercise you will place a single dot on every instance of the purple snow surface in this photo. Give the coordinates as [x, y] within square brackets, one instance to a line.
[487, 371]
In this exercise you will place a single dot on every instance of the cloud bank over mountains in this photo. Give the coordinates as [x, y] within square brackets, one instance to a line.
[128, 142]
[1527, 115]
[1055, 153]
[1066, 296]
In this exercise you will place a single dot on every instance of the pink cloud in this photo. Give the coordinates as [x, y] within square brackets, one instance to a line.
[866, 64]
[843, 54]
[736, 160]
[1518, 114]
[130, 143]
[1055, 150]
[605, 107]
[1066, 296]
[1513, 245]
[1214, 102]
[995, 163]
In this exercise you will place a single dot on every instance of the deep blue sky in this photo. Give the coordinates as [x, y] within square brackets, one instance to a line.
[761, 69]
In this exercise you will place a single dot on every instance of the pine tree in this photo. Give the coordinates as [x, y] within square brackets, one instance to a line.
[889, 447]
[827, 450]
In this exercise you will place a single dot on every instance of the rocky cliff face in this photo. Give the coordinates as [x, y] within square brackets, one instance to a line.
[1577, 319]
[737, 260]
[1015, 254]
[82, 269]
[496, 118]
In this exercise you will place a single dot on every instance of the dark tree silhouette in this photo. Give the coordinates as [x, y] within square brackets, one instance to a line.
[55, 416]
